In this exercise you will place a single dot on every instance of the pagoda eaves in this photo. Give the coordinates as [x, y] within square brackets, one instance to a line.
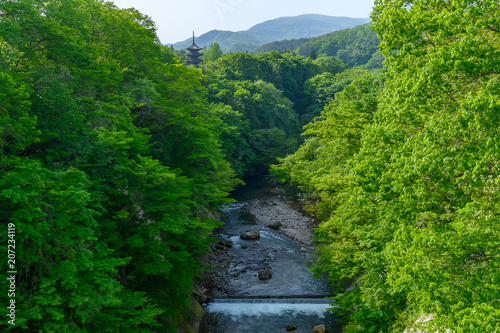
[193, 55]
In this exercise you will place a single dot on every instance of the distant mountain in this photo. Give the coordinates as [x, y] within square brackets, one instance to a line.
[295, 27]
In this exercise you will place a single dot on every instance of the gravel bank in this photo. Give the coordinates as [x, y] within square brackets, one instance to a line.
[265, 212]
[294, 225]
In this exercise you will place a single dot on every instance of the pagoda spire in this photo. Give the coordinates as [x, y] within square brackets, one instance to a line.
[193, 55]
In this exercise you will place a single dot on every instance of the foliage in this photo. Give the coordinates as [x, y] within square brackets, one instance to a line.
[313, 55]
[321, 89]
[327, 64]
[269, 90]
[282, 45]
[355, 46]
[320, 166]
[213, 53]
[413, 214]
[111, 160]
[265, 121]
[445, 240]
[286, 72]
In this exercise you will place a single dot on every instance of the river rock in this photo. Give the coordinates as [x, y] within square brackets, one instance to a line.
[275, 225]
[319, 329]
[244, 246]
[265, 274]
[290, 328]
[199, 293]
[250, 235]
[226, 243]
[221, 247]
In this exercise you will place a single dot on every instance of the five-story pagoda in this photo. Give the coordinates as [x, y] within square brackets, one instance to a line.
[193, 55]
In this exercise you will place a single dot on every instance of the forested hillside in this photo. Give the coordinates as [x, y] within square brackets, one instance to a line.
[110, 164]
[283, 45]
[405, 174]
[272, 95]
[357, 46]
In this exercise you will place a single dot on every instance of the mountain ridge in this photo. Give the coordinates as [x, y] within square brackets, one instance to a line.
[289, 27]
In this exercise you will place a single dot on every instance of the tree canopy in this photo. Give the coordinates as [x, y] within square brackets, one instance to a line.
[213, 53]
[115, 158]
[111, 162]
[408, 192]
[355, 46]
[268, 96]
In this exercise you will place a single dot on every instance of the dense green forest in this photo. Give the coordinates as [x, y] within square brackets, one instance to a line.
[283, 45]
[115, 158]
[405, 174]
[357, 46]
[111, 163]
[272, 94]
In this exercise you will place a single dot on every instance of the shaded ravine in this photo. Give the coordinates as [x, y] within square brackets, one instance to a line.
[242, 302]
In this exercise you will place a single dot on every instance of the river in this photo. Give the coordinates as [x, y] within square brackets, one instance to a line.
[242, 302]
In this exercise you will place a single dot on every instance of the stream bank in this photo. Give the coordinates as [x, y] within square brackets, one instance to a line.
[263, 284]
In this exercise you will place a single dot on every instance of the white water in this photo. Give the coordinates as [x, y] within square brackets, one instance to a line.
[258, 307]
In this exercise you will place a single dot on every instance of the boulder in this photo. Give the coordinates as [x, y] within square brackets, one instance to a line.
[221, 247]
[265, 274]
[290, 328]
[319, 329]
[250, 235]
[226, 243]
[199, 293]
[275, 225]
[244, 246]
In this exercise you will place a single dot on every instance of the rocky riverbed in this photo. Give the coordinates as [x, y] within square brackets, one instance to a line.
[274, 213]
[260, 281]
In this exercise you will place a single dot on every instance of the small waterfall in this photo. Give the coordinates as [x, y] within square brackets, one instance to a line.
[237, 307]
[283, 300]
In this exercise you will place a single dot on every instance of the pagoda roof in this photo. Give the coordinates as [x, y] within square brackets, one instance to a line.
[194, 47]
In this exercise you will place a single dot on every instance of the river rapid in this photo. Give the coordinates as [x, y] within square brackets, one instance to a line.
[243, 298]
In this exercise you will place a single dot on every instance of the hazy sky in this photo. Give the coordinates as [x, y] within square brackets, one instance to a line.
[176, 19]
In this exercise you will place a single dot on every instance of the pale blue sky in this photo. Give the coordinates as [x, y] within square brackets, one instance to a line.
[176, 19]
